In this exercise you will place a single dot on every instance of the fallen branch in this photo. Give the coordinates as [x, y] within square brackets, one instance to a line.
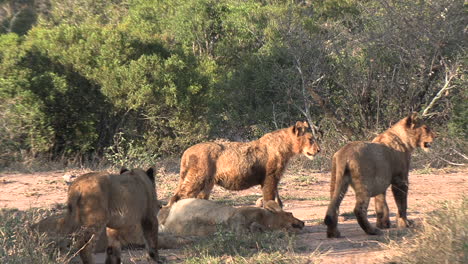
[461, 154]
[452, 163]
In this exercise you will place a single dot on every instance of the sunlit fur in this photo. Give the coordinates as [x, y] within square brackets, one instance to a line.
[199, 217]
[241, 165]
[370, 168]
[115, 203]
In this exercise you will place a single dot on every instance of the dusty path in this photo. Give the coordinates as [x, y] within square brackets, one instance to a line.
[305, 194]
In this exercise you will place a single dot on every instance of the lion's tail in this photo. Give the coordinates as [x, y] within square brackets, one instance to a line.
[333, 178]
[338, 187]
[183, 173]
[72, 215]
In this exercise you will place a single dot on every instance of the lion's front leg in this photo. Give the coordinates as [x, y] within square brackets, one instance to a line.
[270, 190]
[400, 192]
[278, 199]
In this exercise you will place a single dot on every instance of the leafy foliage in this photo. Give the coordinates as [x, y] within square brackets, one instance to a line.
[165, 74]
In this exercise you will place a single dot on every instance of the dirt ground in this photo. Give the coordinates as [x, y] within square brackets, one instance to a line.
[305, 194]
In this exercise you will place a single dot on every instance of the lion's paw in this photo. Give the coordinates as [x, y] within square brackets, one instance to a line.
[374, 232]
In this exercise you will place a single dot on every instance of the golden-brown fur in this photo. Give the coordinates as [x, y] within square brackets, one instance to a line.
[370, 167]
[241, 165]
[54, 227]
[199, 217]
[115, 203]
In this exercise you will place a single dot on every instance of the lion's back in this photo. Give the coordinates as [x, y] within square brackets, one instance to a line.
[132, 194]
[367, 163]
[199, 208]
[90, 183]
[362, 152]
[196, 217]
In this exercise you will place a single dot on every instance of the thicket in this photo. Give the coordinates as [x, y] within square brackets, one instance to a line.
[81, 79]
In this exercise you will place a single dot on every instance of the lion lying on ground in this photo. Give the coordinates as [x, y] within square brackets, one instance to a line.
[198, 217]
[370, 167]
[115, 203]
[241, 165]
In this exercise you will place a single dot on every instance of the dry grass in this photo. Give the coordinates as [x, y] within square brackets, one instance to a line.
[20, 244]
[226, 246]
[442, 238]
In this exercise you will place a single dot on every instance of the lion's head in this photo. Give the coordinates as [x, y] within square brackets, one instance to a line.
[306, 143]
[281, 218]
[419, 133]
[425, 137]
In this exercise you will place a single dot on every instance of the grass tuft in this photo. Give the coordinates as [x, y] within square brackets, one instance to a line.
[442, 238]
[20, 244]
[226, 246]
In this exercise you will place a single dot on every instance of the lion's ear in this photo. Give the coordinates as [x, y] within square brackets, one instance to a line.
[150, 173]
[300, 128]
[412, 120]
[272, 206]
[123, 170]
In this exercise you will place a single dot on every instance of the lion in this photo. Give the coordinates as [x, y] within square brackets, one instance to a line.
[371, 167]
[54, 226]
[199, 217]
[241, 165]
[115, 203]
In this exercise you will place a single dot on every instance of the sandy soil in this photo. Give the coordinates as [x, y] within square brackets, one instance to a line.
[305, 194]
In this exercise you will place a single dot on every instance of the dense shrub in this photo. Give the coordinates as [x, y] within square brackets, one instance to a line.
[165, 75]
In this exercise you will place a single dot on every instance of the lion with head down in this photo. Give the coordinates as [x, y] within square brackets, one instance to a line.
[116, 203]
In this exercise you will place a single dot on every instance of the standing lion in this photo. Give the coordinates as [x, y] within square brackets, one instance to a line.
[241, 165]
[370, 167]
[116, 203]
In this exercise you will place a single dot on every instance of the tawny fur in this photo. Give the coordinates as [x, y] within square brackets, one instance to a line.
[55, 228]
[241, 165]
[370, 168]
[115, 203]
[199, 217]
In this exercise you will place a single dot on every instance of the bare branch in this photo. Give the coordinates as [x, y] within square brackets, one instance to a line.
[452, 163]
[449, 75]
[461, 154]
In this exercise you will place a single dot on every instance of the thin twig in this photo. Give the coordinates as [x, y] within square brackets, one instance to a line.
[76, 253]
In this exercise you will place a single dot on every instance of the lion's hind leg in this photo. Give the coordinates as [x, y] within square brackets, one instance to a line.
[331, 219]
[205, 193]
[196, 183]
[87, 238]
[92, 225]
[360, 210]
[114, 248]
[382, 212]
[150, 233]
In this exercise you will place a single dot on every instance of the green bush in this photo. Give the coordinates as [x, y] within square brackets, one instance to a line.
[170, 74]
